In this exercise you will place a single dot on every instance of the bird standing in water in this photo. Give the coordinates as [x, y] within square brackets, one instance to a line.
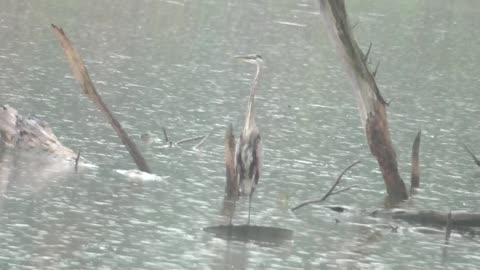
[248, 151]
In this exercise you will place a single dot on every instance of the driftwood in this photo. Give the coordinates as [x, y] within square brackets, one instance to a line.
[331, 191]
[81, 74]
[370, 102]
[459, 218]
[415, 176]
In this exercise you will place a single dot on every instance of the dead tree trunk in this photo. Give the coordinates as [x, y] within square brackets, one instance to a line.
[81, 74]
[231, 186]
[370, 102]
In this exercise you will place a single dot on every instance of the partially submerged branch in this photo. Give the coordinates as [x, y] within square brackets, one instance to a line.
[76, 161]
[331, 191]
[81, 74]
[201, 142]
[415, 176]
[192, 139]
[475, 159]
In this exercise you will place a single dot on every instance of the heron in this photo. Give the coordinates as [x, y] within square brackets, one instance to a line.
[248, 151]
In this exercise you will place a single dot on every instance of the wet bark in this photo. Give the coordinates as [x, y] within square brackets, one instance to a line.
[231, 186]
[370, 102]
[459, 218]
[81, 74]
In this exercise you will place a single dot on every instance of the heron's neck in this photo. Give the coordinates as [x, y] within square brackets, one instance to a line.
[250, 120]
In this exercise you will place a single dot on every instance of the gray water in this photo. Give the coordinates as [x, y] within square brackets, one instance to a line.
[169, 64]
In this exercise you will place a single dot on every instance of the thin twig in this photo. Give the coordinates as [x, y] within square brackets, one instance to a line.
[342, 190]
[201, 142]
[330, 192]
[365, 58]
[191, 139]
[475, 159]
[76, 161]
[376, 69]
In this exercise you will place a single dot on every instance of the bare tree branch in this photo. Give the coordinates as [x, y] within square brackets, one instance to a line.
[330, 192]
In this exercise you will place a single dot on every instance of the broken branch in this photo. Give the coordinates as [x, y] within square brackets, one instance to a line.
[365, 57]
[376, 69]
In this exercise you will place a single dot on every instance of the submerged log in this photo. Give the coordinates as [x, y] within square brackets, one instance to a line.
[81, 74]
[458, 218]
[436, 218]
[370, 102]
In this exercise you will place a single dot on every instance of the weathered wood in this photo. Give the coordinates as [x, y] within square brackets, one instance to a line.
[370, 102]
[434, 218]
[331, 191]
[81, 74]
[231, 186]
[459, 218]
[415, 176]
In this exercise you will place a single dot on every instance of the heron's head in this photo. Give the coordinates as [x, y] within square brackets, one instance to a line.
[251, 58]
[8, 122]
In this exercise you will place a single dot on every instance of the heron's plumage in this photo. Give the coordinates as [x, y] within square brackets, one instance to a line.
[248, 160]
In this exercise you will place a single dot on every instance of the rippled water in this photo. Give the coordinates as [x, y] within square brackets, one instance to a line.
[169, 64]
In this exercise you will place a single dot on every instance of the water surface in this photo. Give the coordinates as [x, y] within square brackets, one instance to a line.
[169, 64]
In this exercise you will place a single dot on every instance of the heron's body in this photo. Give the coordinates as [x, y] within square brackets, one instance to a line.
[248, 151]
[248, 160]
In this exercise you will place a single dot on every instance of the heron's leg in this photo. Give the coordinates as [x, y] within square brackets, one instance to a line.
[249, 207]
[233, 209]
